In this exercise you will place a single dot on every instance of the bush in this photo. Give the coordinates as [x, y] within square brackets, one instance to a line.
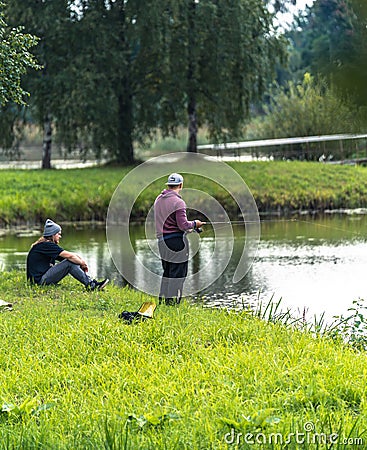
[308, 109]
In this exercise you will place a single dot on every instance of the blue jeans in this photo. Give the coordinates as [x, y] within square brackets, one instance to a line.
[59, 271]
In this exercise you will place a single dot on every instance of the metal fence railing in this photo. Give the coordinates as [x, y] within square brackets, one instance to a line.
[331, 148]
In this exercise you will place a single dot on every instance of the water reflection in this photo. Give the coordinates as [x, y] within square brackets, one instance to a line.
[314, 266]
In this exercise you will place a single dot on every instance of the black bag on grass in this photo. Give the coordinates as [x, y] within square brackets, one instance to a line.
[145, 312]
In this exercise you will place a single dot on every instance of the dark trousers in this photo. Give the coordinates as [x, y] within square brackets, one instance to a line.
[174, 254]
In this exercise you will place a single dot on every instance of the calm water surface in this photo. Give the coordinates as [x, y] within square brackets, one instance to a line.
[314, 266]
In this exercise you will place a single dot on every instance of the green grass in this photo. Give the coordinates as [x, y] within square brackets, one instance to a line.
[73, 376]
[292, 186]
[84, 194]
[80, 194]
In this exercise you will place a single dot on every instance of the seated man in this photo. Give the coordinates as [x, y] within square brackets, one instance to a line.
[41, 261]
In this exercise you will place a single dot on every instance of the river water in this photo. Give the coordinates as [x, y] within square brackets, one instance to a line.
[312, 265]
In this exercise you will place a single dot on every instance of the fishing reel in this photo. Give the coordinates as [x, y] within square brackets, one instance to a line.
[199, 230]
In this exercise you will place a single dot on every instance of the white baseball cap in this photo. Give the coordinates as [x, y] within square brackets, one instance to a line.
[174, 179]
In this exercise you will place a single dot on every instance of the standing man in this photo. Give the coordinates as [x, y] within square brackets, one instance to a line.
[41, 261]
[171, 225]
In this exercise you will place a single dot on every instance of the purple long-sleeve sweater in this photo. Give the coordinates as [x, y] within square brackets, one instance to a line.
[170, 213]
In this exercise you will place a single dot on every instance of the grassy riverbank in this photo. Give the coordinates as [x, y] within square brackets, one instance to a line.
[84, 194]
[73, 376]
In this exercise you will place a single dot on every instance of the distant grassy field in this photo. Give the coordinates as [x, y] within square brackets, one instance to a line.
[28, 196]
[73, 376]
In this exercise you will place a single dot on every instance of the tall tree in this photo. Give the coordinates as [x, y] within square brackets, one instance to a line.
[222, 54]
[115, 71]
[120, 62]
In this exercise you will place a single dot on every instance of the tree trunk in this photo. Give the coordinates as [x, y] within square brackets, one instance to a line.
[125, 150]
[191, 81]
[192, 127]
[47, 143]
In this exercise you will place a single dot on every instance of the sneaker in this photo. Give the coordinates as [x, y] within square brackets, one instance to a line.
[98, 285]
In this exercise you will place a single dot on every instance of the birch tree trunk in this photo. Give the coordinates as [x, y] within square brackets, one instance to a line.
[191, 79]
[125, 151]
[192, 127]
[47, 143]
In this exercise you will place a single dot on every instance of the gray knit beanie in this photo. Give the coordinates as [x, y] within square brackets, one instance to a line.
[51, 228]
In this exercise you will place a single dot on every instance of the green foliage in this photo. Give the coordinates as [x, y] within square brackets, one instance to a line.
[24, 412]
[75, 377]
[310, 108]
[12, 129]
[353, 328]
[15, 60]
[330, 39]
[117, 68]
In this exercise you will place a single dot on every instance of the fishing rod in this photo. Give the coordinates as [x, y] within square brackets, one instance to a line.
[241, 222]
[318, 225]
[244, 222]
[321, 225]
[230, 222]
